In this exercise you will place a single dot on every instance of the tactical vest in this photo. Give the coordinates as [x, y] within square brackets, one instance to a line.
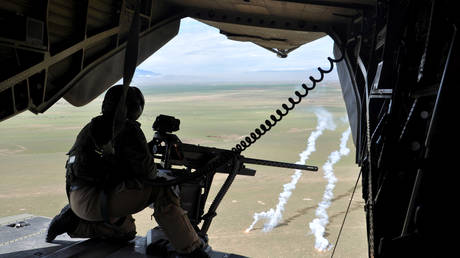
[89, 163]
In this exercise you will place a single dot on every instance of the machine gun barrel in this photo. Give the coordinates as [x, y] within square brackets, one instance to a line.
[278, 164]
[196, 152]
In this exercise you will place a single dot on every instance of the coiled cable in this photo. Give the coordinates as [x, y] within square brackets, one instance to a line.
[270, 123]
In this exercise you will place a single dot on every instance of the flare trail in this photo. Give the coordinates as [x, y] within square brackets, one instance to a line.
[318, 225]
[274, 216]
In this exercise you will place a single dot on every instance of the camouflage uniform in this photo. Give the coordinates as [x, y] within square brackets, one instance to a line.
[107, 184]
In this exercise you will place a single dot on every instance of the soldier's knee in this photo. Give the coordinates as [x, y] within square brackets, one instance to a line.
[165, 199]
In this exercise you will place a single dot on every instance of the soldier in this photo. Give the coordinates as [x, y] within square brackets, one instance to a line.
[105, 182]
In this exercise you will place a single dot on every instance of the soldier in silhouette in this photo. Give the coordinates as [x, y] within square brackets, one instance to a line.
[105, 182]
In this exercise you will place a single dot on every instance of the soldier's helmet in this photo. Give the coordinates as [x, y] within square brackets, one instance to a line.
[134, 101]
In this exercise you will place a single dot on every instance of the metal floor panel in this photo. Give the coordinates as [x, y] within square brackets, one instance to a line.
[24, 236]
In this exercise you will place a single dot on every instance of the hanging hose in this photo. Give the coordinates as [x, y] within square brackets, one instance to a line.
[264, 128]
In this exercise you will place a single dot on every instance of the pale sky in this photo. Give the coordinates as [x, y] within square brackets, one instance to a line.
[199, 52]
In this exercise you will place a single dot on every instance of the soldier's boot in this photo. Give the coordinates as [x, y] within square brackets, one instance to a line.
[197, 253]
[180, 232]
[122, 231]
[66, 221]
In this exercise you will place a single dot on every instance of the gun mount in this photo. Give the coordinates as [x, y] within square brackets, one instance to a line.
[181, 160]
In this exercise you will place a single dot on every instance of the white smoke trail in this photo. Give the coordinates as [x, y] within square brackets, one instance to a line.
[272, 217]
[318, 225]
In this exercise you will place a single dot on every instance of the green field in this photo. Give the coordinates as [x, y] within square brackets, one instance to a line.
[32, 158]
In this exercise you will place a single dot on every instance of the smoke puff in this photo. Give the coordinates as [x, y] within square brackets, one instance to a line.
[318, 225]
[273, 217]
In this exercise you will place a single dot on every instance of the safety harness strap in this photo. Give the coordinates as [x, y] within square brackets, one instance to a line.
[131, 52]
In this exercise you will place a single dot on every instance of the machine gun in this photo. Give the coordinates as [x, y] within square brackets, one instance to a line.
[182, 160]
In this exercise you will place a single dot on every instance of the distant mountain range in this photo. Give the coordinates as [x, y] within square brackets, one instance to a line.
[144, 77]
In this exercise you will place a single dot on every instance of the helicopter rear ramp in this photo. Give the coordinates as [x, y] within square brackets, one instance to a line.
[24, 236]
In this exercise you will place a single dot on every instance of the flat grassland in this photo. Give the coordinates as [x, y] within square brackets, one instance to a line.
[33, 148]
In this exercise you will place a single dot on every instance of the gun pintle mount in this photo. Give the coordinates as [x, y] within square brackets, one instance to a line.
[183, 159]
